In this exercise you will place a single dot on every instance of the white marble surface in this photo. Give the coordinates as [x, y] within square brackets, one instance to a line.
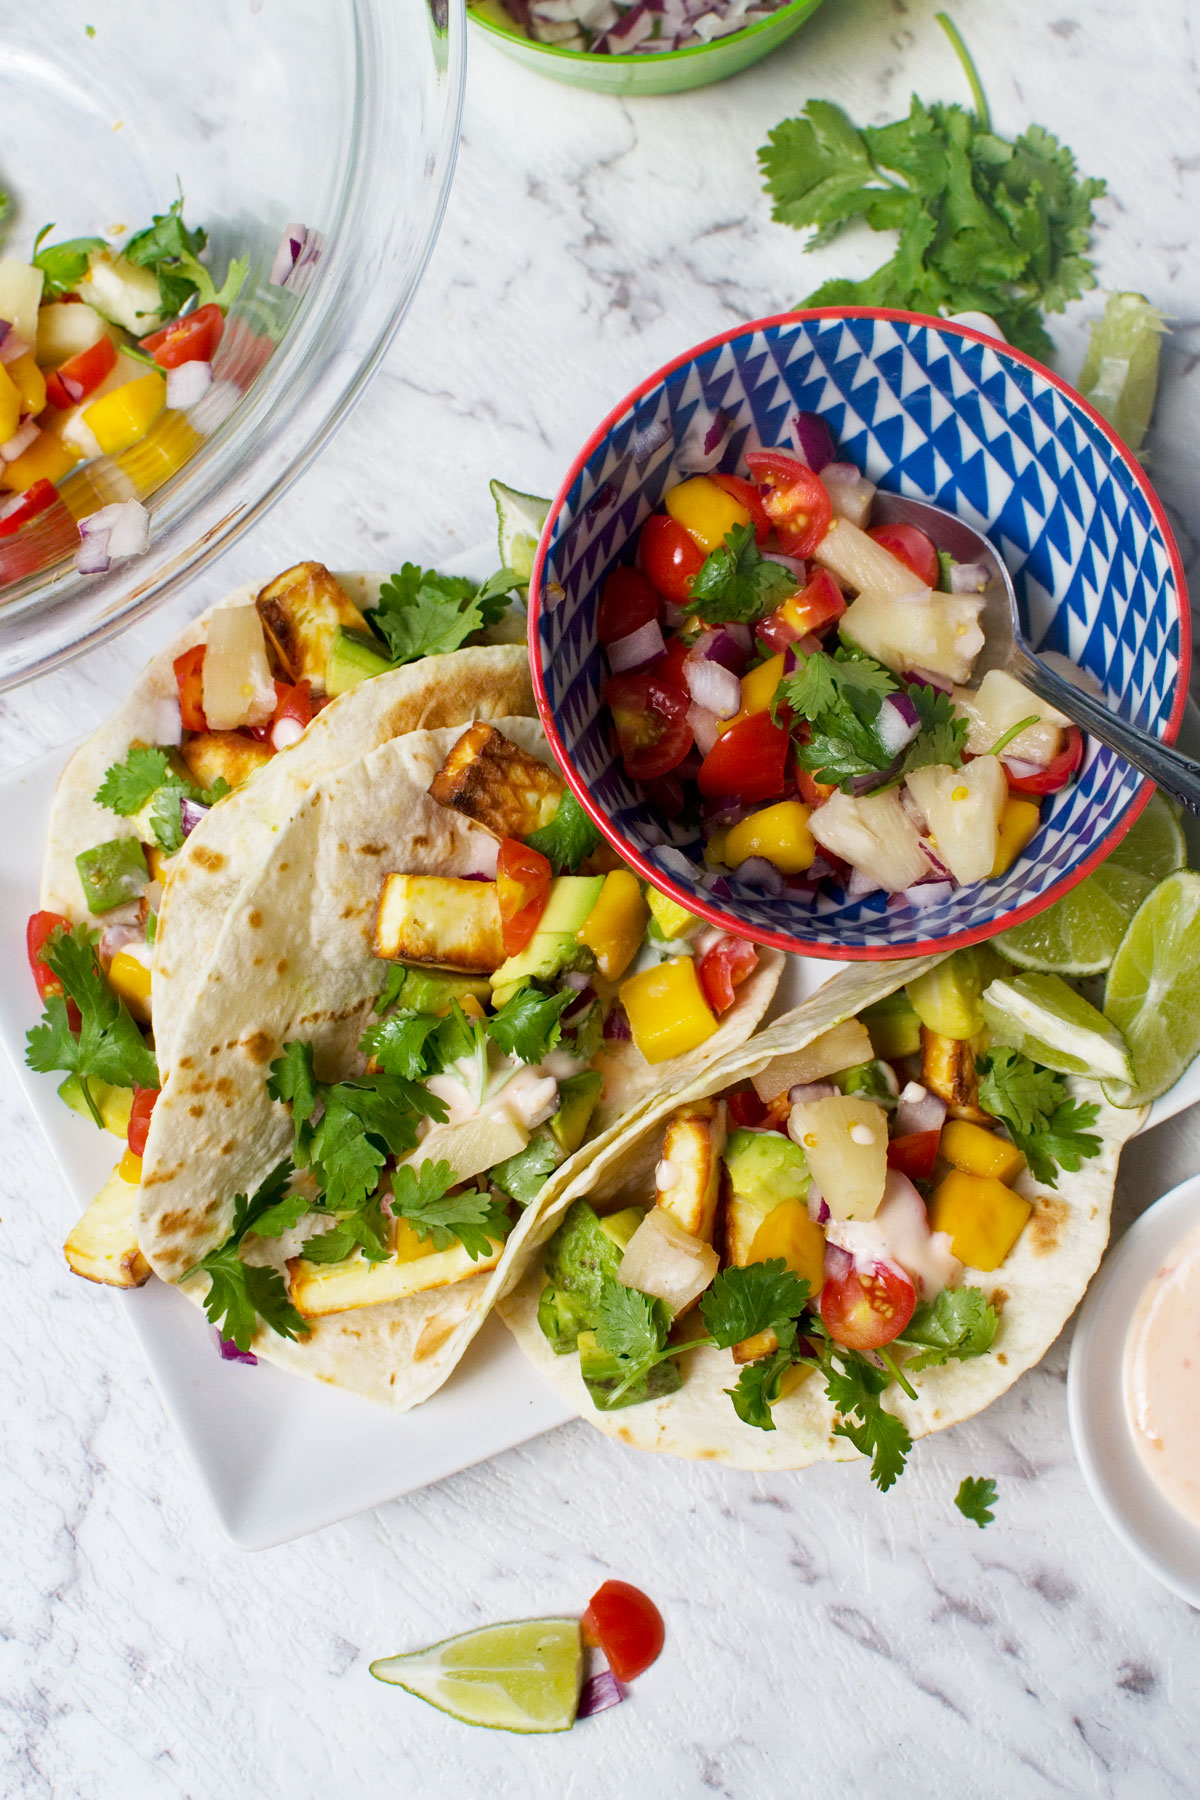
[820, 1637]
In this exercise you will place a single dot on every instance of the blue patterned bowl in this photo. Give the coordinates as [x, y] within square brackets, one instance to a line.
[936, 412]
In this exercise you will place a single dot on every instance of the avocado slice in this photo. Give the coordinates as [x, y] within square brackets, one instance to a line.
[114, 1104]
[586, 1251]
[112, 874]
[353, 657]
[553, 946]
[894, 1027]
[426, 992]
[603, 1375]
[577, 1097]
[765, 1165]
[562, 1316]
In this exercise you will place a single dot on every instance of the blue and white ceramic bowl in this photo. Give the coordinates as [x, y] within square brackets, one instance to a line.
[930, 410]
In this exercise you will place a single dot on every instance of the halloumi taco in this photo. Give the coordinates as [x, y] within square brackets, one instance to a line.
[859, 1227]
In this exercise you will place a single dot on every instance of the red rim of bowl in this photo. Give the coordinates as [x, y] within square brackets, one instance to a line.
[780, 940]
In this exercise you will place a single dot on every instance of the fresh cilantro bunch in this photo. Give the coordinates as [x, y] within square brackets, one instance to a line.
[841, 696]
[1049, 1128]
[240, 1294]
[983, 224]
[148, 775]
[568, 838]
[735, 584]
[108, 1045]
[421, 613]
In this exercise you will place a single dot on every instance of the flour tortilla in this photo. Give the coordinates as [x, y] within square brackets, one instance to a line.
[230, 845]
[1035, 1289]
[294, 959]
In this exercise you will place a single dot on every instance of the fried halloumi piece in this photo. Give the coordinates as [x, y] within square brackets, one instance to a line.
[948, 1070]
[689, 1173]
[440, 919]
[103, 1245]
[495, 783]
[212, 753]
[301, 611]
[320, 1288]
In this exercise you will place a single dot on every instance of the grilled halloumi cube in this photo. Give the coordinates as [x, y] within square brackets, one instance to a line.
[320, 1288]
[212, 753]
[492, 781]
[440, 919]
[301, 611]
[948, 1070]
[688, 1177]
[103, 1245]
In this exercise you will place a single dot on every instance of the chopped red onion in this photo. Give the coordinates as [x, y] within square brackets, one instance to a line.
[815, 440]
[925, 894]
[968, 578]
[866, 784]
[897, 723]
[650, 438]
[576, 979]
[914, 812]
[296, 259]
[168, 721]
[713, 687]
[703, 442]
[818, 1206]
[938, 869]
[796, 567]
[13, 345]
[1024, 771]
[674, 616]
[616, 1025]
[190, 814]
[230, 1352]
[759, 872]
[919, 1110]
[706, 727]
[119, 937]
[860, 884]
[636, 648]
[92, 556]
[214, 407]
[717, 432]
[849, 491]
[20, 441]
[928, 678]
[838, 1262]
[584, 999]
[730, 645]
[285, 733]
[804, 1091]
[187, 384]
[129, 529]
[600, 1691]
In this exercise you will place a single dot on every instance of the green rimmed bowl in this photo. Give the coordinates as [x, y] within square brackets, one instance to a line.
[672, 72]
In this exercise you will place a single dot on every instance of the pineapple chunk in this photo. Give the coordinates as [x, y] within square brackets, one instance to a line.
[301, 611]
[320, 1288]
[963, 807]
[103, 1245]
[999, 703]
[948, 1070]
[471, 1147]
[874, 834]
[440, 919]
[689, 1175]
[856, 559]
[941, 634]
[494, 782]
[844, 1046]
[228, 753]
[845, 1140]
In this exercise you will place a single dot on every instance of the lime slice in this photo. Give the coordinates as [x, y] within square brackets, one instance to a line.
[1080, 933]
[1120, 371]
[520, 518]
[1153, 989]
[1053, 1025]
[524, 1676]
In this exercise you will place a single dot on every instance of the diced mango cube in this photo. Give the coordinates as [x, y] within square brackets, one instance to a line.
[10, 405]
[1018, 822]
[705, 511]
[129, 979]
[47, 459]
[668, 1014]
[170, 442]
[118, 420]
[780, 833]
[788, 1231]
[758, 690]
[29, 382]
[614, 928]
[980, 1152]
[673, 920]
[130, 1168]
[983, 1217]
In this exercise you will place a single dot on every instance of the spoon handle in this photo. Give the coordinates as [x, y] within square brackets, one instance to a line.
[1175, 774]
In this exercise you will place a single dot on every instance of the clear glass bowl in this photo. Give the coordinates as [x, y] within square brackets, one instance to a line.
[344, 118]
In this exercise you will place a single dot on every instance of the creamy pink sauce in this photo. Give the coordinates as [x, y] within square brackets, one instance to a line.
[1162, 1378]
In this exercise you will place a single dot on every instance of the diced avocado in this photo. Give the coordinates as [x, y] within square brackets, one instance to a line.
[577, 1097]
[571, 899]
[603, 1375]
[112, 874]
[523, 1176]
[553, 946]
[353, 657]
[436, 994]
[114, 1104]
[673, 920]
[562, 1317]
[894, 1027]
[586, 1251]
[948, 998]
[874, 1079]
[766, 1164]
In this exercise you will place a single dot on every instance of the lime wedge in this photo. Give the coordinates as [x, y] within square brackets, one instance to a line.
[1120, 371]
[1153, 989]
[1080, 933]
[520, 518]
[1053, 1025]
[524, 1676]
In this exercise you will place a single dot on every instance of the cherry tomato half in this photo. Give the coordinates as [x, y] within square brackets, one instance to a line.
[627, 1626]
[652, 725]
[1056, 774]
[74, 379]
[627, 603]
[796, 501]
[745, 1108]
[867, 1308]
[670, 556]
[747, 762]
[144, 1101]
[193, 339]
[669, 667]
[749, 496]
[914, 1154]
[800, 614]
[189, 679]
[41, 925]
[724, 968]
[522, 889]
[911, 547]
[34, 500]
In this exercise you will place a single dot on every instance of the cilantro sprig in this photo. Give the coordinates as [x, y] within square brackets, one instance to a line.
[421, 613]
[1050, 1129]
[736, 584]
[63, 265]
[108, 1046]
[148, 777]
[240, 1293]
[469, 1217]
[841, 696]
[975, 1498]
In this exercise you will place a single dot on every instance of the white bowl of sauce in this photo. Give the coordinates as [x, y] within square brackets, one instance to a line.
[1133, 1390]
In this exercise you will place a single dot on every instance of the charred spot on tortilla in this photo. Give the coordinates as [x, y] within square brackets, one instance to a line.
[492, 781]
[999, 1299]
[373, 849]
[281, 966]
[185, 1062]
[196, 1112]
[209, 859]
[260, 1047]
[435, 1334]
[1001, 1358]
[229, 1148]
[254, 920]
[1045, 1227]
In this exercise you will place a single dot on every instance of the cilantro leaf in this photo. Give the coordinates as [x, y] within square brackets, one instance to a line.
[400, 1044]
[736, 583]
[109, 1045]
[469, 1217]
[166, 814]
[347, 1160]
[1045, 1123]
[631, 1325]
[363, 1230]
[1062, 1143]
[960, 1323]
[975, 1497]
[421, 613]
[242, 1293]
[760, 1383]
[523, 1176]
[291, 1080]
[745, 1301]
[188, 267]
[64, 265]
[854, 1386]
[943, 734]
[393, 987]
[128, 786]
[821, 684]
[162, 246]
[528, 1026]
[568, 838]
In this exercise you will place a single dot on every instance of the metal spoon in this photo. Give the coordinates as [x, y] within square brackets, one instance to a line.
[1006, 648]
